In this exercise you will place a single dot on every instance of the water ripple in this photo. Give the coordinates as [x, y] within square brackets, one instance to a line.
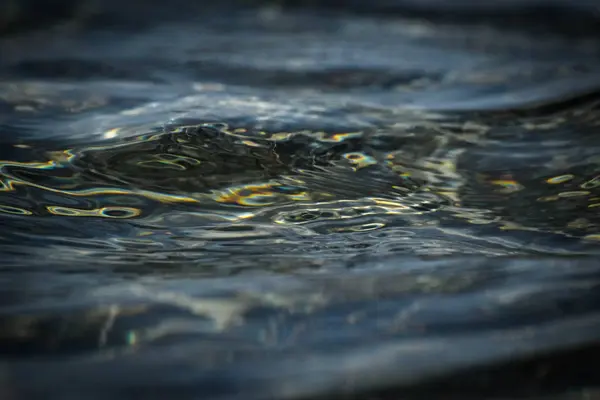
[297, 201]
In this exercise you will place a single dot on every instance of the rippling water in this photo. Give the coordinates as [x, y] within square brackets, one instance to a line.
[277, 202]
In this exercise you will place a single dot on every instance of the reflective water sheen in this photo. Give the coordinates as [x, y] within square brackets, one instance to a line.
[272, 202]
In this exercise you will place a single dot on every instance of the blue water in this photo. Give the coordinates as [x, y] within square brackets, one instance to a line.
[290, 201]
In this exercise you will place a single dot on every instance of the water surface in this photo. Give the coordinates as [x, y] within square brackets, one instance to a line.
[273, 202]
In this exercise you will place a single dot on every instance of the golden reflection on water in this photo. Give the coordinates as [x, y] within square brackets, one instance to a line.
[316, 178]
[260, 195]
[14, 210]
[105, 212]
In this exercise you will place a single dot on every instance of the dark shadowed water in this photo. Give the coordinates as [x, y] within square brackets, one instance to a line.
[382, 200]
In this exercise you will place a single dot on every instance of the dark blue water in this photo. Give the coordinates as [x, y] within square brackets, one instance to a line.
[300, 200]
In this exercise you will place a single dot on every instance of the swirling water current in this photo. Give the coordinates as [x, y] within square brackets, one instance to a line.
[285, 202]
